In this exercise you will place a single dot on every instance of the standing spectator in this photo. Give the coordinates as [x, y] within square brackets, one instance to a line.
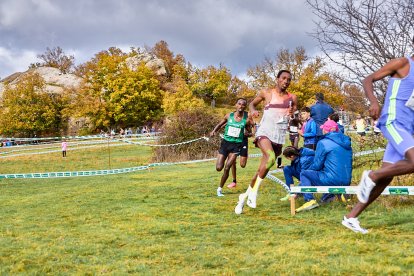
[309, 129]
[332, 165]
[64, 148]
[320, 112]
[360, 125]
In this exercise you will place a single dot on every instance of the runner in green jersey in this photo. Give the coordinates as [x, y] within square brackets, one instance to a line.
[238, 125]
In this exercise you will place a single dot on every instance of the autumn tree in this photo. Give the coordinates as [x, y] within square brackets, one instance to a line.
[56, 58]
[27, 109]
[309, 76]
[240, 89]
[210, 83]
[264, 75]
[361, 36]
[355, 99]
[181, 98]
[115, 96]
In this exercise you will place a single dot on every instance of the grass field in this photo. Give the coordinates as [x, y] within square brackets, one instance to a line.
[168, 221]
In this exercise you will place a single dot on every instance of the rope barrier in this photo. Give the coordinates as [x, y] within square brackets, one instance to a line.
[278, 181]
[76, 137]
[97, 172]
[8, 154]
[139, 168]
[164, 145]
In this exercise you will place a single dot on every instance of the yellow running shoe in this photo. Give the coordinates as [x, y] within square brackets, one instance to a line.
[308, 206]
[285, 198]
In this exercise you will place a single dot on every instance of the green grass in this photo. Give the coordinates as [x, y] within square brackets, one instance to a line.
[168, 221]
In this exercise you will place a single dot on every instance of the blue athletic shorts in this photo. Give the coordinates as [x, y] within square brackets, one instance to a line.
[399, 133]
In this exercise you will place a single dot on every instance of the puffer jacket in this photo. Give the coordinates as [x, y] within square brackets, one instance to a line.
[333, 160]
[304, 161]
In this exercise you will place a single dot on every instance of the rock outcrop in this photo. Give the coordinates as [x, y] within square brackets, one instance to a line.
[55, 81]
[150, 61]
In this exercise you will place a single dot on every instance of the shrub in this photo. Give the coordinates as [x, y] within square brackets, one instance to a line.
[185, 126]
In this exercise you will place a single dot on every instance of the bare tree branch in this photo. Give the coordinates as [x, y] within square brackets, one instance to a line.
[362, 35]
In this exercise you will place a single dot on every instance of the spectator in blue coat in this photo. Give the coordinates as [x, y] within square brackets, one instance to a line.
[309, 129]
[332, 165]
[320, 112]
[301, 159]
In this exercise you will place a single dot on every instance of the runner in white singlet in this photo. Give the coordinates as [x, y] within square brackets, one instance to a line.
[271, 134]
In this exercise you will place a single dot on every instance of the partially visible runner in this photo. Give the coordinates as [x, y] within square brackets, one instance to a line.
[271, 135]
[244, 152]
[237, 123]
[397, 125]
[294, 126]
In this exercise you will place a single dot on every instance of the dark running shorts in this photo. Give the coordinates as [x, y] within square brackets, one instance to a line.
[244, 151]
[293, 136]
[277, 148]
[227, 147]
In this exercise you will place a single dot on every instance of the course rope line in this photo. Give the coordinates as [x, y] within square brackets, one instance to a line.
[278, 181]
[77, 137]
[164, 145]
[57, 145]
[127, 170]
[366, 152]
[96, 172]
[59, 150]
[390, 190]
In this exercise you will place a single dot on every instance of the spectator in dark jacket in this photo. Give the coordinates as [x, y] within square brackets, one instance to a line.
[301, 159]
[320, 112]
[332, 165]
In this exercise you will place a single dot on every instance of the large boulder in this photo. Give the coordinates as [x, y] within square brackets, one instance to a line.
[55, 81]
[149, 60]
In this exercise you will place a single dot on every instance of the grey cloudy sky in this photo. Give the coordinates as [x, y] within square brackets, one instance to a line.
[236, 33]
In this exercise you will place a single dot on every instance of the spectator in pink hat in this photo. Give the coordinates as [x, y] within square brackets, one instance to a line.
[329, 126]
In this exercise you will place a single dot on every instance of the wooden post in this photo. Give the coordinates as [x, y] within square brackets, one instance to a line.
[292, 203]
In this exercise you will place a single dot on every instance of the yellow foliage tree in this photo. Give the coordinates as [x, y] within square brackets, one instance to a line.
[180, 99]
[115, 96]
[27, 109]
[210, 83]
[309, 77]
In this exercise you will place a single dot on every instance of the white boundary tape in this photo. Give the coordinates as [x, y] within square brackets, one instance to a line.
[139, 168]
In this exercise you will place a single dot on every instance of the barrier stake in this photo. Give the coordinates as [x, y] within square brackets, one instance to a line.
[292, 202]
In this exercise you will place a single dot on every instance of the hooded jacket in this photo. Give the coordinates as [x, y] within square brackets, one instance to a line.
[320, 112]
[333, 160]
[304, 160]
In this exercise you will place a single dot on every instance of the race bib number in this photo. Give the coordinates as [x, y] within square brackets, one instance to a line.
[293, 129]
[233, 131]
[410, 102]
